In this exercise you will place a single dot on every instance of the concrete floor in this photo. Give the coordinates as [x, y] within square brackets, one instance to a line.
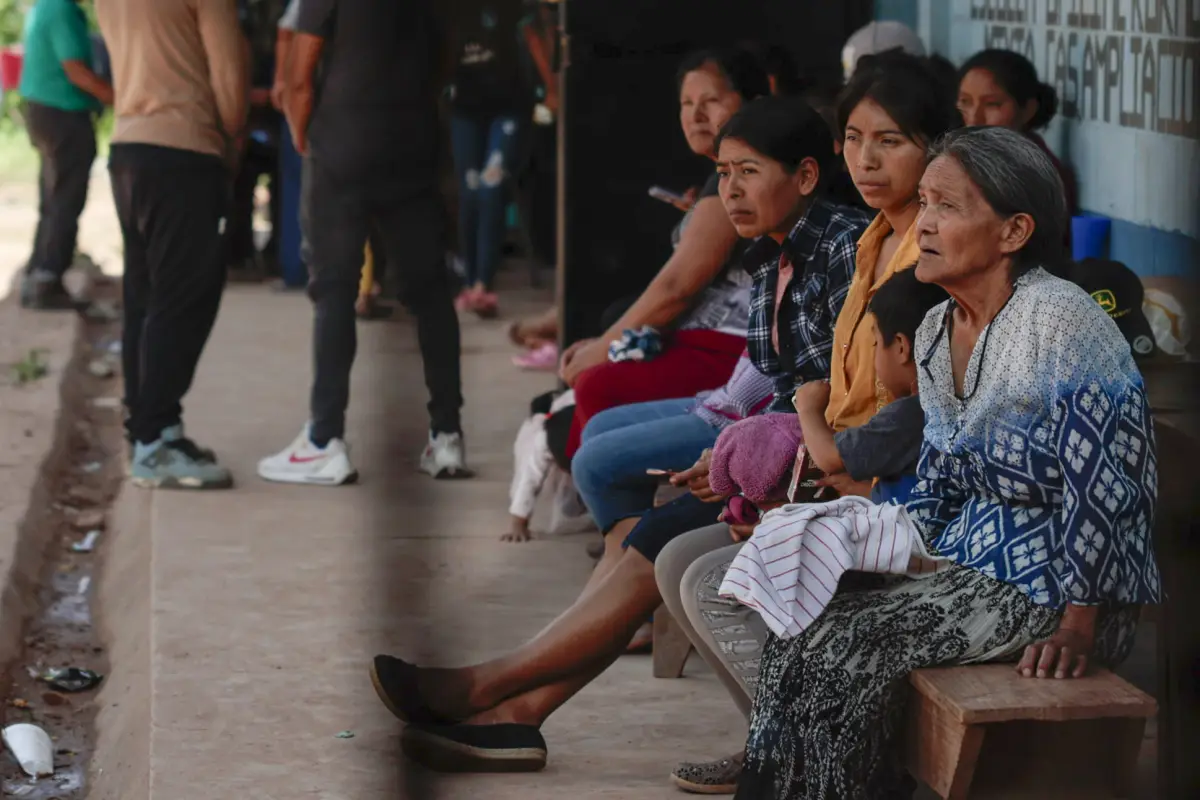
[248, 618]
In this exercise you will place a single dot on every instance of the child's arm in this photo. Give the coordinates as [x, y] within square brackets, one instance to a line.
[532, 462]
[810, 401]
[889, 443]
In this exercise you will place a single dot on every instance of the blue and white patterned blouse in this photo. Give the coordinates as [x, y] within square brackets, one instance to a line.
[1045, 476]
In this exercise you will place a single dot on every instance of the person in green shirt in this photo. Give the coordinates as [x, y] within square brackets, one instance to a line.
[61, 93]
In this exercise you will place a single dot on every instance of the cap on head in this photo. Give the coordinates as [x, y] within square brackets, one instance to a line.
[879, 37]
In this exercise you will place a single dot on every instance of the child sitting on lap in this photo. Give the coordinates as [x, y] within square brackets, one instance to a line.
[879, 459]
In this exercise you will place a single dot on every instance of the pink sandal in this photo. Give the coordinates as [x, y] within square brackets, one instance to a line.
[541, 359]
[485, 304]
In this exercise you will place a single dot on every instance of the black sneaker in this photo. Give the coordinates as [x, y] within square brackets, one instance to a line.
[476, 748]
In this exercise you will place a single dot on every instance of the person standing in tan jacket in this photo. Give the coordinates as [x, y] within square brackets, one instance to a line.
[181, 84]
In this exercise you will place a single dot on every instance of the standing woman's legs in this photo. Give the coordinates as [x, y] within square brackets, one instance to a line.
[499, 159]
[467, 144]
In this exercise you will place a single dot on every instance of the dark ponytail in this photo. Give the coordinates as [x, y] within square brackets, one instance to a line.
[1017, 76]
[1047, 102]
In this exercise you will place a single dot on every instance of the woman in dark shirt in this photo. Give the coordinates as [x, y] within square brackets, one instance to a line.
[1000, 87]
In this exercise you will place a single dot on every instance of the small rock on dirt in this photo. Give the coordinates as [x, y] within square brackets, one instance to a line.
[88, 520]
[100, 368]
[85, 495]
[55, 699]
[110, 403]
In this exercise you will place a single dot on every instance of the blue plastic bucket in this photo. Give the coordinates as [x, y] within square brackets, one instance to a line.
[1089, 236]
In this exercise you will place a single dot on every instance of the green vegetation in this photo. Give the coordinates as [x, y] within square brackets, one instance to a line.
[18, 161]
[12, 20]
[30, 368]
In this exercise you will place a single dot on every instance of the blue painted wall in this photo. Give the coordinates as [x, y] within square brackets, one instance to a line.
[905, 11]
[1130, 125]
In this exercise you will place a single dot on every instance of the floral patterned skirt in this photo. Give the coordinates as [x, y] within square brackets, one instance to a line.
[830, 702]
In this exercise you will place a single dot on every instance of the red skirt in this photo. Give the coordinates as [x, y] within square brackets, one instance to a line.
[693, 362]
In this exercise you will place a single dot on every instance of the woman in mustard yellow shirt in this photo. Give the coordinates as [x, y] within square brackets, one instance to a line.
[891, 111]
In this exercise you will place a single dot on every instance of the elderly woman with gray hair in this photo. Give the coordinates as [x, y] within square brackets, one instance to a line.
[1037, 489]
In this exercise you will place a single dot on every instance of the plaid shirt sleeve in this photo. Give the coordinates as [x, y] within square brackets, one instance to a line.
[816, 318]
[843, 260]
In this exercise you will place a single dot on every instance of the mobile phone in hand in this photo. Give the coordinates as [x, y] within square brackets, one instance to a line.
[661, 474]
[666, 195]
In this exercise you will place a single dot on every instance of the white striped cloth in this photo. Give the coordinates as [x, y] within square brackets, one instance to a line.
[789, 569]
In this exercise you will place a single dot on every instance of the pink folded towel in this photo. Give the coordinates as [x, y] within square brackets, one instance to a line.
[755, 457]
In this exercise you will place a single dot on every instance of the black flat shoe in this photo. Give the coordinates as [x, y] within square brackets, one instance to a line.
[395, 681]
[476, 748]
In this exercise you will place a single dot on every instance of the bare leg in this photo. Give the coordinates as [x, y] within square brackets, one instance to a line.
[532, 331]
[612, 556]
[613, 551]
[594, 630]
[533, 708]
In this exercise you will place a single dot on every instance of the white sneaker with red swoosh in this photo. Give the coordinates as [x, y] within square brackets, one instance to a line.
[304, 462]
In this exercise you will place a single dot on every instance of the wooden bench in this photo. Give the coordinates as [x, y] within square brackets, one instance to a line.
[985, 732]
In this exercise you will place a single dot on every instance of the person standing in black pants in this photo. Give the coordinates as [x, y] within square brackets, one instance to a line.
[181, 90]
[62, 93]
[370, 139]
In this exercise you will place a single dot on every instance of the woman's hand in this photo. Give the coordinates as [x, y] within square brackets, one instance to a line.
[278, 90]
[1065, 655]
[689, 200]
[812, 396]
[696, 480]
[579, 357]
[740, 533]
[843, 484]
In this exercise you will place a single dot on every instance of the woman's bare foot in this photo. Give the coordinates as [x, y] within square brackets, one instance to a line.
[642, 641]
[513, 711]
[532, 332]
[486, 305]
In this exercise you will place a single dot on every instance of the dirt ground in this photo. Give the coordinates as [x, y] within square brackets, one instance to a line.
[55, 474]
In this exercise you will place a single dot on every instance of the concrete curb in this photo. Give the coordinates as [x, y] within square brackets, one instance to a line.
[120, 768]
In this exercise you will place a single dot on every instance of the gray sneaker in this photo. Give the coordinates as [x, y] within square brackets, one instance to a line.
[176, 435]
[169, 464]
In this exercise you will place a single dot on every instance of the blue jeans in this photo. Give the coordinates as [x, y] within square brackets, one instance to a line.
[620, 444]
[485, 151]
